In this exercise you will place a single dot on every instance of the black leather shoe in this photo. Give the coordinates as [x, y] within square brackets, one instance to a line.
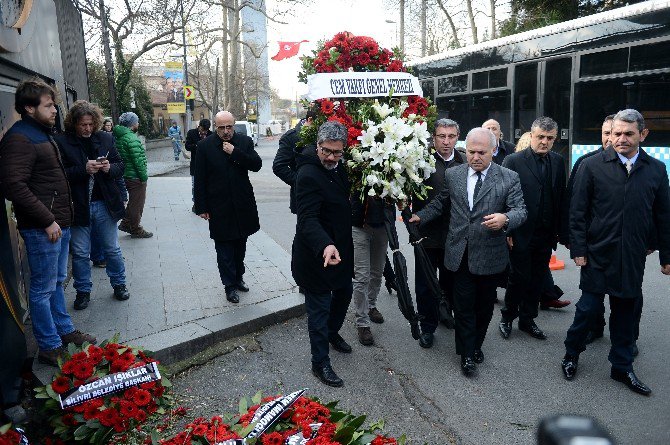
[569, 366]
[505, 328]
[242, 286]
[631, 381]
[326, 374]
[338, 344]
[121, 292]
[532, 330]
[478, 356]
[636, 350]
[593, 336]
[426, 340]
[231, 295]
[468, 366]
[81, 300]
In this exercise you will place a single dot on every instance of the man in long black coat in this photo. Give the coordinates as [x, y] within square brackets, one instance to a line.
[224, 197]
[542, 176]
[620, 197]
[194, 136]
[284, 165]
[446, 156]
[323, 252]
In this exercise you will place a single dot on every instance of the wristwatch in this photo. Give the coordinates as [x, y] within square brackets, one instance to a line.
[506, 225]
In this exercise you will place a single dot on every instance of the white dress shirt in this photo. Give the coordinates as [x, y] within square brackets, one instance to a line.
[472, 181]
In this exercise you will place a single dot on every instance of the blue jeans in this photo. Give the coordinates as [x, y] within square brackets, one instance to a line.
[176, 147]
[96, 249]
[104, 225]
[48, 270]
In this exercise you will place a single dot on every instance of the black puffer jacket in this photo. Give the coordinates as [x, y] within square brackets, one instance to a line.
[32, 176]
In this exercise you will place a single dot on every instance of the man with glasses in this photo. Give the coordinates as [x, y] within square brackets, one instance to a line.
[224, 196]
[435, 232]
[323, 254]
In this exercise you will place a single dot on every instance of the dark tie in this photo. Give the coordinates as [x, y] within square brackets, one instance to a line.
[478, 186]
[543, 166]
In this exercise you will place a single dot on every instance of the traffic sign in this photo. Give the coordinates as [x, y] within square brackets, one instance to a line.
[189, 92]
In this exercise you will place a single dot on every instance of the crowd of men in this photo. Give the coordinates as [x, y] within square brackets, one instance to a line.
[491, 219]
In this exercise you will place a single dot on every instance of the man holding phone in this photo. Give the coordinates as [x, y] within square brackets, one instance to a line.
[93, 165]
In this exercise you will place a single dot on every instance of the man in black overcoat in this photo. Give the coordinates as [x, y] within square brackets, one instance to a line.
[194, 136]
[224, 197]
[446, 156]
[620, 206]
[503, 148]
[284, 164]
[542, 175]
[323, 252]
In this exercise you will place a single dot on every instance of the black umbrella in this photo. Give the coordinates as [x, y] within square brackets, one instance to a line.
[423, 262]
[405, 302]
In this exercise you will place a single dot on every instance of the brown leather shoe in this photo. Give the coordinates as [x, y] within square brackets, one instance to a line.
[141, 233]
[375, 315]
[50, 357]
[124, 227]
[556, 304]
[78, 338]
[365, 336]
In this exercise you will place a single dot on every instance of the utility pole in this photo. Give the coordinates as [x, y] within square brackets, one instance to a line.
[187, 120]
[424, 6]
[109, 67]
[402, 26]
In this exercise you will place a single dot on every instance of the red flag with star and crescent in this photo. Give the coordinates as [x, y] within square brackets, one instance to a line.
[287, 49]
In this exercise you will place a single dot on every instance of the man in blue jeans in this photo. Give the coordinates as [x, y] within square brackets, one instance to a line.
[93, 165]
[33, 178]
[174, 133]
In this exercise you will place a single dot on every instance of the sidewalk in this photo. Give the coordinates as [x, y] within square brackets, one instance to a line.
[177, 305]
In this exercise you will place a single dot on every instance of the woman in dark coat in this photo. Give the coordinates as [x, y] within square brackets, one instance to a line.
[224, 197]
[323, 252]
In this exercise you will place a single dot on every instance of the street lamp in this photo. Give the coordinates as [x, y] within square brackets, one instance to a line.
[393, 22]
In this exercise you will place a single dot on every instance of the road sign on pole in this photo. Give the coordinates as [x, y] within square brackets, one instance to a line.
[189, 92]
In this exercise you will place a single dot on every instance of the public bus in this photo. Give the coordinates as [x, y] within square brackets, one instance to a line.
[576, 72]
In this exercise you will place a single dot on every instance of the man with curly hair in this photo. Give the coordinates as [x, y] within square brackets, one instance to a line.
[93, 165]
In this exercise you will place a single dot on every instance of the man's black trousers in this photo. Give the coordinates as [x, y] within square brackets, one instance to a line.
[474, 297]
[325, 316]
[230, 259]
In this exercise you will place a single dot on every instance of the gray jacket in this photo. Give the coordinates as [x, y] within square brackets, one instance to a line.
[487, 249]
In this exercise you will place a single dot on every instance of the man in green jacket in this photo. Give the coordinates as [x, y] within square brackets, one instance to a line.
[135, 174]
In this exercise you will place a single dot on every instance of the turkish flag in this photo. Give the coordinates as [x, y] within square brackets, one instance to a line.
[287, 49]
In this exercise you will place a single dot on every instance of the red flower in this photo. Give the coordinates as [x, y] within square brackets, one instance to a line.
[79, 356]
[327, 107]
[108, 417]
[69, 420]
[83, 369]
[128, 409]
[395, 66]
[68, 367]
[141, 416]
[272, 439]
[142, 397]
[60, 385]
[95, 353]
[179, 411]
[200, 430]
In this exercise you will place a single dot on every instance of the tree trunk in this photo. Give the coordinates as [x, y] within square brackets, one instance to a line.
[234, 84]
[457, 42]
[225, 43]
[471, 16]
[424, 6]
[402, 26]
[494, 31]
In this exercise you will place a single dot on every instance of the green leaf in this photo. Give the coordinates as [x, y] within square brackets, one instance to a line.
[402, 439]
[51, 404]
[378, 425]
[155, 437]
[336, 416]
[244, 405]
[5, 428]
[364, 439]
[165, 382]
[256, 399]
[82, 432]
[52, 393]
[356, 422]
[71, 349]
[42, 395]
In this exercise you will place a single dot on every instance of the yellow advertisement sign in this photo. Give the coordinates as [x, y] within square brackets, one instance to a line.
[174, 87]
[176, 108]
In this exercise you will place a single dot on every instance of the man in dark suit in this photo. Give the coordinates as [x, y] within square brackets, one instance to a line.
[620, 206]
[542, 176]
[194, 136]
[484, 200]
[323, 252]
[503, 148]
[224, 196]
[284, 165]
[446, 156]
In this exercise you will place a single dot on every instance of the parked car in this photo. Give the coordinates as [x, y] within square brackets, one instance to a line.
[247, 128]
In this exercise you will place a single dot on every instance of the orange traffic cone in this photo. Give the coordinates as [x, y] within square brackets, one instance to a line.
[555, 263]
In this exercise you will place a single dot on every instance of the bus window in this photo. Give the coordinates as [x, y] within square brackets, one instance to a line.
[604, 62]
[525, 97]
[650, 57]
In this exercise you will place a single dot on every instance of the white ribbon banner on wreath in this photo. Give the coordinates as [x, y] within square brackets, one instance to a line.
[362, 84]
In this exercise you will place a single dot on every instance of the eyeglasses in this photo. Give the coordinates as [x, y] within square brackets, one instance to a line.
[225, 127]
[328, 152]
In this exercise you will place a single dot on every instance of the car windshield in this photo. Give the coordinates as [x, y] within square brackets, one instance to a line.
[241, 129]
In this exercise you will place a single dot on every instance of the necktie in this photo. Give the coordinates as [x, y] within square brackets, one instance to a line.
[543, 166]
[478, 186]
[629, 166]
